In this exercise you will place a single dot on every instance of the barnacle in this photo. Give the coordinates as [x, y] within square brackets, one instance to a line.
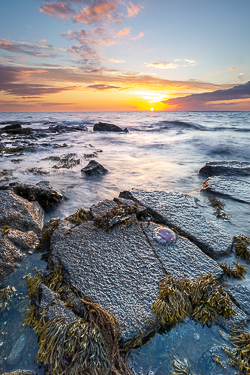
[5, 296]
[181, 368]
[240, 354]
[240, 244]
[203, 300]
[236, 272]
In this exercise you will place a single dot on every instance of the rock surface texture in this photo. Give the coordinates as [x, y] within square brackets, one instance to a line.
[241, 296]
[181, 212]
[231, 168]
[228, 187]
[120, 269]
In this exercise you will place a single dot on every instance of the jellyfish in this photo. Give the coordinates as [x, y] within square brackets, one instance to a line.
[165, 236]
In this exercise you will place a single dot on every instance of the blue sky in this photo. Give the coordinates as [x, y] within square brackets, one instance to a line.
[123, 55]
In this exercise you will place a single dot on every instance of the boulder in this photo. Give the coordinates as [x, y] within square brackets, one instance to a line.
[120, 268]
[94, 168]
[230, 168]
[63, 128]
[16, 129]
[42, 192]
[228, 187]
[180, 211]
[105, 127]
[241, 296]
[18, 213]
[14, 244]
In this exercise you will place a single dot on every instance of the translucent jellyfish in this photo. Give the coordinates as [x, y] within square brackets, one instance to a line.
[165, 236]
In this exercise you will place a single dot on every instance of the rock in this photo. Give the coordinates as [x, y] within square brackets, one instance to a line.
[238, 320]
[41, 192]
[62, 128]
[16, 129]
[105, 127]
[20, 214]
[21, 372]
[12, 126]
[228, 187]
[16, 351]
[65, 161]
[208, 361]
[181, 212]
[14, 244]
[102, 208]
[241, 296]
[231, 168]
[141, 210]
[120, 269]
[94, 168]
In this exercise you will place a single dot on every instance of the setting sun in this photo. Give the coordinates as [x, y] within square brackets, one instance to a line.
[152, 109]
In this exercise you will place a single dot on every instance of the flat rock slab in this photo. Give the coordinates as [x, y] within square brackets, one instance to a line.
[230, 168]
[14, 244]
[228, 187]
[121, 269]
[181, 211]
[20, 214]
[241, 295]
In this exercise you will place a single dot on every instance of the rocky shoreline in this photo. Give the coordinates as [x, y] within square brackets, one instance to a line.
[112, 281]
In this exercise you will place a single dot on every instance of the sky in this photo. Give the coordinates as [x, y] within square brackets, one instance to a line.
[122, 55]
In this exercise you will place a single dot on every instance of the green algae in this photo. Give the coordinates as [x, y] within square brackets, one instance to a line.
[236, 272]
[203, 300]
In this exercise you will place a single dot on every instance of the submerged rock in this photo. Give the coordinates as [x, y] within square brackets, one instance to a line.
[231, 168]
[94, 168]
[228, 187]
[20, 214]
[42, 192]
[180, 211]
[105, 127]
[16, 351]
[120, 268]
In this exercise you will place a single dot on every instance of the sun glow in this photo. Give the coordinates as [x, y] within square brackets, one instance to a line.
[152, 109]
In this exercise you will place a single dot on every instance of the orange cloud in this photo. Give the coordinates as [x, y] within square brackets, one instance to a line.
[102, 10]
[161, 65]
[43, 40]
[57, 9]
[133, 9]
[138, 36]
[232, 68]
[123, 32]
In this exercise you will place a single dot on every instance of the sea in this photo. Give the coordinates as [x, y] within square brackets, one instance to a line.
[160, 151]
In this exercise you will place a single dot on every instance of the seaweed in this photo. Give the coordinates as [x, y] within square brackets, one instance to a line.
[34, 282]
[203, 300]
[6, 229]
[236, 272]
[80, 216]
[219, 208]
[5, 296]
[240, 354]
[181, 368]
[240, 244]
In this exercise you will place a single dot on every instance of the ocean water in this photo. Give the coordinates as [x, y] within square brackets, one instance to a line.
[161, 151]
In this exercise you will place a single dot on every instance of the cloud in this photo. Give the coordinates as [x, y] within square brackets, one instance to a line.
[161, 65]
[133, 9]
[28, 48]
[43, 40]
[102, 87]
[123, 32]
[99, 11]
[202, 101]
[115, 61]
[137, 36]
[232, 68]
[57, 9]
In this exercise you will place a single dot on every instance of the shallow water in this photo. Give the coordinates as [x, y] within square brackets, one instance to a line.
[162, 151]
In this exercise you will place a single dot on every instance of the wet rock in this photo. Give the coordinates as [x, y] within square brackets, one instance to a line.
[20, 214]
[62, 128]
[240, 319]
[141, 210]
[41, 192]
[241, 296]
[16, 129]
[105, 127]
[180, 211]
[16, 351]
[14, 245]
[120, 269]
[94, 168]
[231, 168]
[228, 187]
[222, 368]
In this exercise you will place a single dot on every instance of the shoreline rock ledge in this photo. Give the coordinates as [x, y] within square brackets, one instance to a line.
[120, 264]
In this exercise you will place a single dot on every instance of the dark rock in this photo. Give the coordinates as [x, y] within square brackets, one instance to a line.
[94, 168]
[20, 214]
[12, 126]
[181, 212]
[228, 187]
[16, 129]
[120, 269]
[141, 210]
[105, 127]
[231, 168]
[42, 193]
[62, 128]
[241, 296]
[14, 244]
